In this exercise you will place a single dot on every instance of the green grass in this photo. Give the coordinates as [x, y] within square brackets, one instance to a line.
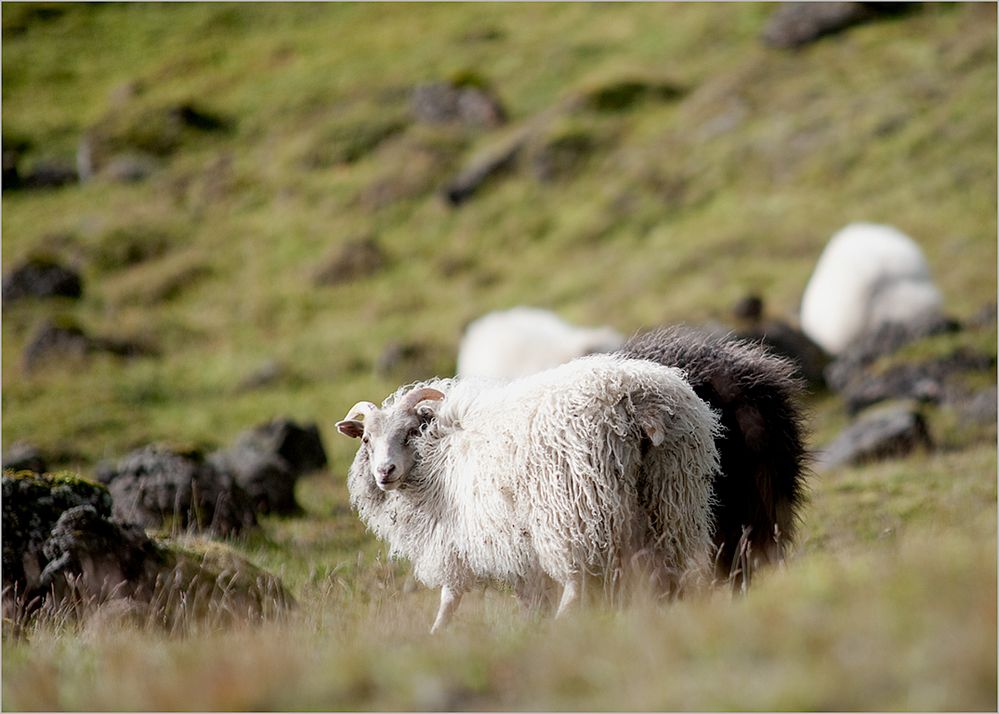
[675, 204]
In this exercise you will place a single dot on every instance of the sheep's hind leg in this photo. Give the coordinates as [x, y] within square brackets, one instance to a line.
[570, 593]
[449, 602]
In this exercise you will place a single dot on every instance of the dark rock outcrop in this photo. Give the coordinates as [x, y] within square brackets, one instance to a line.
[52, 341]
[268, 460]
[885, 340]
[266, 478]
[926, 381]
[158, 487]
[32, 504]
[41, 278]
[795, 24]
[65, 556]
[48, 173]
[888, 432]
[90, 553]
[299, 445]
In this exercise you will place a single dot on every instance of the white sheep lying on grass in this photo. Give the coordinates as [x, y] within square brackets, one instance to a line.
[600, 467]
[524, 340]
[868, 275]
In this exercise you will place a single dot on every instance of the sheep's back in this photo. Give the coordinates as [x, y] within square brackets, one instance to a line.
[568, 445]
[867, 274]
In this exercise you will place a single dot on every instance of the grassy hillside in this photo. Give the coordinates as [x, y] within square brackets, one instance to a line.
[666, 206]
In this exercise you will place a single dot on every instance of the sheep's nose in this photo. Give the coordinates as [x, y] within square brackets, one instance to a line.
[386, 470]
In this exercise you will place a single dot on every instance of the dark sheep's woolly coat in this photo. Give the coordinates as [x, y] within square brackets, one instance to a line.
[760, 488]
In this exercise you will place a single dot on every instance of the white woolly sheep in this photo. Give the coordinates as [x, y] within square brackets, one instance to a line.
[600, 467]
[524, 340]
[867, 275]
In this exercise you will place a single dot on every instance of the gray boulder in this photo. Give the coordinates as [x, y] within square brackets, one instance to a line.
[268, 460]
[795, 24]
[87, 552]
[298, 444]
[928, 381]
[881, 342]
[266, 478]
[158, 487]
[884, 433]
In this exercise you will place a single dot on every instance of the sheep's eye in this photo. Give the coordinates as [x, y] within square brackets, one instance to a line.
[365, 440]
[415, 431]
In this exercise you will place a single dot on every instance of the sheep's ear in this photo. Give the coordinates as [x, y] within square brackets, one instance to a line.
[353, 429]
[655, 432]
[427, 409]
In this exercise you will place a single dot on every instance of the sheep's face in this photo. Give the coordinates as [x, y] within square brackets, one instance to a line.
[387, 438]
[387, 434]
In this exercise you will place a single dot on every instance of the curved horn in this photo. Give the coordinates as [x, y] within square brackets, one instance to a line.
[359, 409]
[422, 394]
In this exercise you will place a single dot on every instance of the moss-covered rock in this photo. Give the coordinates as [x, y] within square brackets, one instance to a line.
[65, 557]
[32, 503]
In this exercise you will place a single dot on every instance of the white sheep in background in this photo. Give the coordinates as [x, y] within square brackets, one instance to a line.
[601, 467]
[868, 275]
[525, 340]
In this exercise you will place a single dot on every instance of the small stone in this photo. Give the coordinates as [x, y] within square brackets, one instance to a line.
[443, 103]
[351, 261]
[979, 408]
[49, 173]
[40, 277]
[130, 168]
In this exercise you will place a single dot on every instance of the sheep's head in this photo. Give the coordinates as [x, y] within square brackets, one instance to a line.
[387, 433]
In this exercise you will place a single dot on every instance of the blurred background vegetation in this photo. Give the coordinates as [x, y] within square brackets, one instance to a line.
[277, 209]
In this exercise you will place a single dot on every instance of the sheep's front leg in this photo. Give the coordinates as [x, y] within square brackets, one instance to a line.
[570, 593]
[449, 602]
